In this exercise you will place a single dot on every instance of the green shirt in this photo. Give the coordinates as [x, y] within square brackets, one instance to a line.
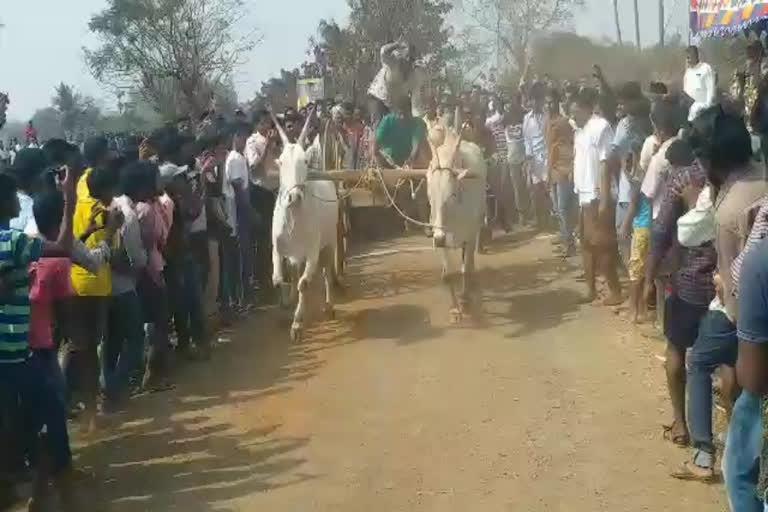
[396, 136]
[17, 251]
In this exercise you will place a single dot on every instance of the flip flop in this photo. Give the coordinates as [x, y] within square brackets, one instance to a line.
[682, 440]
[687, 474]
[159, 387]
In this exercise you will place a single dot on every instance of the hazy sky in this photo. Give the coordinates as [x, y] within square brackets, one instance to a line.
[42, 40]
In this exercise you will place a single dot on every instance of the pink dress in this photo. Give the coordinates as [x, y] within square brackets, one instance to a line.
[50, 282]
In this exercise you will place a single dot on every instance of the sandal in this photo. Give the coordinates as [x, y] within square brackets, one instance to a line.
[692, 473]
[158, 387]
[682, 440]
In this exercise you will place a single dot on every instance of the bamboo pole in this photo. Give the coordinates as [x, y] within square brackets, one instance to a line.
[637, 26]
[355, 175]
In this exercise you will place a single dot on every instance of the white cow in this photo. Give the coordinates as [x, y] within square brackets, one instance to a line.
[458, 204]
[303, 226]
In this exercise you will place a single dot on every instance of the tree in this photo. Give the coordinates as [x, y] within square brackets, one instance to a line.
[69, 104]
[47, 123]
[349, 55]
[76, 112]
[278, 92]
[174, 52]
[515, 23]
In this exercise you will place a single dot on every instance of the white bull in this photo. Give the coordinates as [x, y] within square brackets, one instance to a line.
[303, 226]
[458, 205]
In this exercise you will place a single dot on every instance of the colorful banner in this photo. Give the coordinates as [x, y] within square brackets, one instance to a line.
[714, 18]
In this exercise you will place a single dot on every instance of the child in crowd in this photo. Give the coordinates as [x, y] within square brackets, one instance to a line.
[51, 285]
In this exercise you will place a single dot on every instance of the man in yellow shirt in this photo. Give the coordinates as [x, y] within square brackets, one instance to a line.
[95, 191]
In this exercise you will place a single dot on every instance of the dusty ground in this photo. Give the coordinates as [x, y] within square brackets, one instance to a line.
[548, 406]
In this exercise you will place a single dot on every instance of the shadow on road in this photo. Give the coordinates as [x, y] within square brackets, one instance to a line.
[169, 451]
[176, 451]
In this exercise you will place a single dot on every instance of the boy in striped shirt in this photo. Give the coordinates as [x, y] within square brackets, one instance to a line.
[19, 374]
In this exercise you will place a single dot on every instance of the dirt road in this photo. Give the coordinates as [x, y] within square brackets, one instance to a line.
[550, 406]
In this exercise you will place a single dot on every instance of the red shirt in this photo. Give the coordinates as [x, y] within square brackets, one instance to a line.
[50, 281]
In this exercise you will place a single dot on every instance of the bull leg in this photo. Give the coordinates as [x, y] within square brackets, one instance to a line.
[310, 268]
[277, 266]
[448, 278]
[467, 273]
[327, 256]
[293, 275]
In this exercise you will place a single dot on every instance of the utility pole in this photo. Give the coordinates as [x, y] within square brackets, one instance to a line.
[498, 36]
[637, 26]
[617, 21]
[661, 23]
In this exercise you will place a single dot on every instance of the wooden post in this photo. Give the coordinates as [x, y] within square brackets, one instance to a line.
[661, 23]
[637, 26]
[617, 21]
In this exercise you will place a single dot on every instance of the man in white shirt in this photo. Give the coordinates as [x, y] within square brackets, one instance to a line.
[698, 83]
[258, 148]
[235, 188]
[265, 180]
[592, 183]
[534, 128]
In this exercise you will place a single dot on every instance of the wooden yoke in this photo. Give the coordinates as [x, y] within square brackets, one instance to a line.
[355, 175]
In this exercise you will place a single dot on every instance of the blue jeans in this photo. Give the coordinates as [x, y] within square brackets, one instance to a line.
[49, 363]
[717, 344]
[741, 460]
[562, 199]
[185, 286]
[230, 285]
[40, 406]
[123, 357]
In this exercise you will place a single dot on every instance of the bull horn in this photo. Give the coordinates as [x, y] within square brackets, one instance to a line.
[280, 129]
[457, 120]
[456, 147]
[305, 130]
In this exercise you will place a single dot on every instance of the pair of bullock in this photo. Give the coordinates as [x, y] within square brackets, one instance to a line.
[307, 208]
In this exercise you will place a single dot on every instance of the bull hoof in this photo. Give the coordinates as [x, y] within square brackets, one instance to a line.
[296, 334]
[329, 312]
[456, 316]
